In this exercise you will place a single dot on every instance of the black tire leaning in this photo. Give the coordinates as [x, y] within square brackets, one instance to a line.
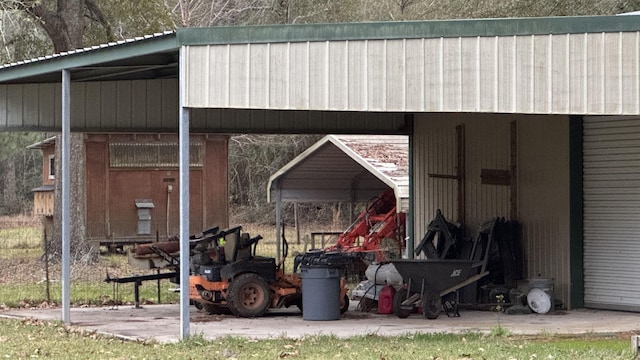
[248, 295]
[431, 304]
[398, 298]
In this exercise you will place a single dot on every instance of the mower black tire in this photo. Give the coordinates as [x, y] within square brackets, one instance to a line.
[248, 295]
[214, 309]
[345, 304]
[398, 298]
[431, 304]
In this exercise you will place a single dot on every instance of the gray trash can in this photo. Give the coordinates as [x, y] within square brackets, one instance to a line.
[320, 292]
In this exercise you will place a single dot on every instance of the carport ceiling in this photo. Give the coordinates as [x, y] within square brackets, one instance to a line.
[345, 168]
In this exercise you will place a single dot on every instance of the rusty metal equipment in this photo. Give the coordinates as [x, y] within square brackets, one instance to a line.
[379, 230]
[157, 255]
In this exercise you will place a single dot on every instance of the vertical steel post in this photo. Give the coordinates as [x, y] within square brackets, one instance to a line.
[410, 217]
[278, 223]
[66, 178]
[184, 201]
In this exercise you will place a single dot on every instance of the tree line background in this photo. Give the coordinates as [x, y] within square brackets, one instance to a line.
[32, 28]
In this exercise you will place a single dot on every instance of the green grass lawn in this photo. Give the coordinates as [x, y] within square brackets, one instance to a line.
[21, 339]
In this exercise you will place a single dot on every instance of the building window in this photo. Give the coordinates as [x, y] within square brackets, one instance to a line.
[151, 155]
[52, 167]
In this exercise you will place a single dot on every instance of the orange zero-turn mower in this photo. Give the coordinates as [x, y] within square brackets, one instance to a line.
[227, 277]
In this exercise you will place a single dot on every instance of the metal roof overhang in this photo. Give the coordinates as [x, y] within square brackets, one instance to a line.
[149, 57]
[157, 55]
[331, 171]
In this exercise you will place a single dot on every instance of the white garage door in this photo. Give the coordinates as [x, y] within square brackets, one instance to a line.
[612, 212]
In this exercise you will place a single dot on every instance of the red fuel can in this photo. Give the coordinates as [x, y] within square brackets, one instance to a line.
[385, 300]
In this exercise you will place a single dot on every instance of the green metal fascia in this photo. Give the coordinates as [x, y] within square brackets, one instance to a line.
[406, 29]
[91, 56]
[576, 213]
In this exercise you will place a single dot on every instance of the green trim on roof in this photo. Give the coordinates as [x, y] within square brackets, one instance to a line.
[88, 57]
[406, 29]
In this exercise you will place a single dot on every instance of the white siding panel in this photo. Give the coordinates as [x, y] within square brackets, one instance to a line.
[415, 70]
[357, 75]
[506, 74]
[338, 75]
[396, 70]
[299, 76]
[592, 73]
[433, 74]
[469, 86]
[258, 76]
[612, 73]
[198, 73]
[559, 73]
[577, 58]
[376, 72]
[611, 217]
[318, 75]
[452, 73]
[278, 76]
[218, 85]
[541, 77]
[524, 90]
[630, 64]
[594, 77]
[487, 74]
[239, 75]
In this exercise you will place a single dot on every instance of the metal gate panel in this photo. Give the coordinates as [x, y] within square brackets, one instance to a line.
[612, 212]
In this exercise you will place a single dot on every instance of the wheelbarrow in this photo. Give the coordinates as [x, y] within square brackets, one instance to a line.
[428, 280]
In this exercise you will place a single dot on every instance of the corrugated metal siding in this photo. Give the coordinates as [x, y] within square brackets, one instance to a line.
[543, 198]
[592, 73]
[487, 147]
[611, 216]
[543, 181]
[110, 105]
[434, 152]
[141, 105]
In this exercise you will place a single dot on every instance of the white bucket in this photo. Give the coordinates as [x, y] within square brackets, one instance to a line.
[540, 295]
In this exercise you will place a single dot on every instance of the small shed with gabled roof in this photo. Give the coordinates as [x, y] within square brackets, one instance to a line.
[346, 168]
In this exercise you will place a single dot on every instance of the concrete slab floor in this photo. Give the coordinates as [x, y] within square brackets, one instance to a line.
[161, 323]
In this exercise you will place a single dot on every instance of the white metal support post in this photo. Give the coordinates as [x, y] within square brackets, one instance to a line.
[184, 202]
[66, 177]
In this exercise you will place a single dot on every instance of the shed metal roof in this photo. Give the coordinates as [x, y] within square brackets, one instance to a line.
[346, 168]
[157, 55]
